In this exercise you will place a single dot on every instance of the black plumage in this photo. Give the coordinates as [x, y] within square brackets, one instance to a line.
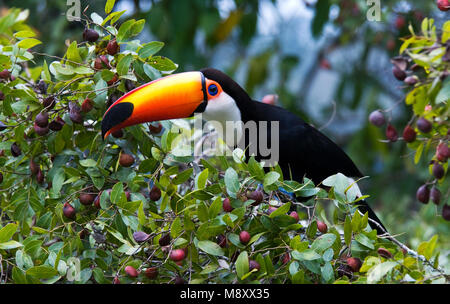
[304, 151]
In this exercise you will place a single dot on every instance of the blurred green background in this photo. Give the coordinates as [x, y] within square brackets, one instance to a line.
[324, 59]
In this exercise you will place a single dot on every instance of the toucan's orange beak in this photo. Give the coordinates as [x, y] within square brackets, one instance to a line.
[175, 96]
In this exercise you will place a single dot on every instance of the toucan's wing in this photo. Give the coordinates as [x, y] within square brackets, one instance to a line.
[304, 149]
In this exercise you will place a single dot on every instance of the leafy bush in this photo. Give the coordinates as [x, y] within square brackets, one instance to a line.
[77, 209]
[423, 64]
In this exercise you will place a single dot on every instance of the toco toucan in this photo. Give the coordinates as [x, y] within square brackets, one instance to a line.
[304, 151]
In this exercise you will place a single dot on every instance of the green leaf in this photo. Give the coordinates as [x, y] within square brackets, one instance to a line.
[376, 273]
[124, 64]
[109, 6]
[307, 255]
[255, 169]
[150, 49]
[364, 240]
[88, 162]
[7, 232]
[270, 178]
[183, 176]
[281, 210]
[123, 30]
[347, 230]
[162, 63]
[232, 182]
[418, 153]
[201, 178]
[444, 93]
[210, 248]
[10, 245]
[242, 264]
[28, 43]
[58, 180]
[323, 242]
[321, 17]
[116, 193]
[176, 228]
[327, 272]
[136, 28]
[42, 272]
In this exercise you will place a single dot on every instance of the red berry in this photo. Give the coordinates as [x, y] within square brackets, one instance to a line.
[39, 130]
[438, 170]
[354, 263]
[446, 212]
[126, 160]
[155, 194]
[15, 150]
[435, 195]
[227, 205]
[377, 118]
[116, 280]
[400, 22]
[244, 237]
[411, 80]
[69, 211]
[286, 258]
[442, 152]
[113, 80]
[87, 105]
[257, 196]
[34, 168]
[131, 271]
[398, 73]
[86, 198]
[101, 62]
[391, 133]
[97, 201]
[49, 102]
[409, 134]
[294, 215]
[322, 227]
[177, 255]
[271, 209]
[42, 119]
[155, 129]
[221, 240]
[423, 194]
[5, 74]
[164, 240]
[384, 253]
[151, 273]
[424, 125]
[40, 176]
[112, 48]
[140, 236]
[252, 264]
[179, 280]
[90, 35]
[57, 124]
[443, 5]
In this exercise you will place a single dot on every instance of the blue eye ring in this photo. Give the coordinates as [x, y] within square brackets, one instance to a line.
[213, 90]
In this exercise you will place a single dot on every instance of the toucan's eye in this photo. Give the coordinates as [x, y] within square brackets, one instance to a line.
[212, 90]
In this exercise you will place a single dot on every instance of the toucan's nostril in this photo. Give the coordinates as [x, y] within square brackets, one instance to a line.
[116, 115]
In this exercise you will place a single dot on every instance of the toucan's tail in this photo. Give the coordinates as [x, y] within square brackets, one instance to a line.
[378, 226]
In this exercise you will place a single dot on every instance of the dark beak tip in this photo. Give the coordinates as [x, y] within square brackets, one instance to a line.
[115, 115]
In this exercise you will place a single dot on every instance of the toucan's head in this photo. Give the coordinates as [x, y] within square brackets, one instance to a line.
[175, 96]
